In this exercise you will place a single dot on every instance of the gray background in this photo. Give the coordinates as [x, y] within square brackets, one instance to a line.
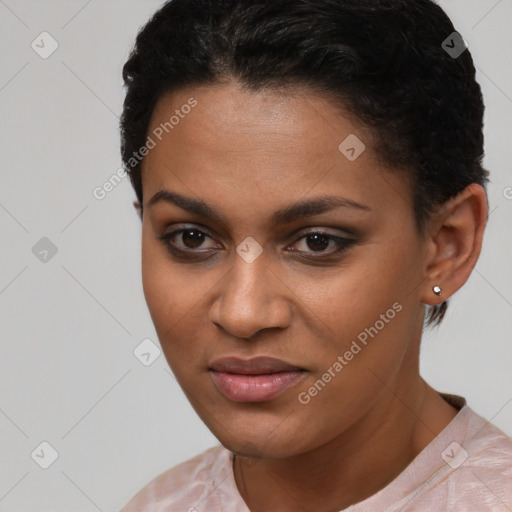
[70, 324]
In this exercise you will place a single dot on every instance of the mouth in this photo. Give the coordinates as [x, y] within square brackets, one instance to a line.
[254, 380]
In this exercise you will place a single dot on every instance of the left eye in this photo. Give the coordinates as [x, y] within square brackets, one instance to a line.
[319, 242]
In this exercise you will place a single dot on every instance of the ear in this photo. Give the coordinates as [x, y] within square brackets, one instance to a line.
[454, 243]
[138, 207]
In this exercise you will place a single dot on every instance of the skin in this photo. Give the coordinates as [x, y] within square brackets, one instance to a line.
[248, 154]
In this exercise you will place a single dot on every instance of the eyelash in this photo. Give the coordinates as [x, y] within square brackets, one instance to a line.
[343, 244]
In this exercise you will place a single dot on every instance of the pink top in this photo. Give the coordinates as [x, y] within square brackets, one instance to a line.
[467, 467]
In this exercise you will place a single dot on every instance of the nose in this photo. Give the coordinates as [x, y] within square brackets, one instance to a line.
[252, 297]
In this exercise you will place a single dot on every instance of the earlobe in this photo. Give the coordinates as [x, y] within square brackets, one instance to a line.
[455, 244]
[437, 290]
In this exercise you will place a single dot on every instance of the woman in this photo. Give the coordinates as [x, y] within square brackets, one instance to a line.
[310, 186]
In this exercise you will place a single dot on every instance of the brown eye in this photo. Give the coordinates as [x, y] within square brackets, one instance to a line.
[317, 243]
[186, 241]
[192, 238]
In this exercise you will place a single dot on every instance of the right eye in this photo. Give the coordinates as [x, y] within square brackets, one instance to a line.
[188, 239]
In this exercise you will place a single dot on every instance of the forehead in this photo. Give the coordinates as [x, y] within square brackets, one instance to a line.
[232, 121]
[265, 146]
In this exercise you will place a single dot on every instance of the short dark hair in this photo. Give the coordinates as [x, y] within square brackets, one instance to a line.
[383, 60]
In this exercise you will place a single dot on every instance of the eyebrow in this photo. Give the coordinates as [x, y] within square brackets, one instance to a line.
[302, 209]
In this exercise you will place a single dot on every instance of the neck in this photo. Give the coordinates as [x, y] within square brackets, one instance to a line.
[357, 463]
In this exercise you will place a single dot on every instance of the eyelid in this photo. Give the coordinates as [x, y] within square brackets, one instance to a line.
[324, 231]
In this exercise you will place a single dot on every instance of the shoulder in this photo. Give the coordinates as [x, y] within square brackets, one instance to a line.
[485, 471]
[471, 464]
[184, 484]
[487, 444]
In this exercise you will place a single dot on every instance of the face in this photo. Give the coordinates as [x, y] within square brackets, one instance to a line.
[313, 301]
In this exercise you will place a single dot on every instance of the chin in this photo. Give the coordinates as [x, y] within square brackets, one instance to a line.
[247, 440]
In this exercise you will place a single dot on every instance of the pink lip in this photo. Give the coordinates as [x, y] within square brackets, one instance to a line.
[253, 380]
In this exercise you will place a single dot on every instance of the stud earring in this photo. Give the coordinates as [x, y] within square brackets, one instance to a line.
[437, 290]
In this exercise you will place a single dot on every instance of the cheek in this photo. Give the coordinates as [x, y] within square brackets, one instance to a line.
[368, 315]
[372, 280]
[175, 303]
[155, 281]
[164, 294]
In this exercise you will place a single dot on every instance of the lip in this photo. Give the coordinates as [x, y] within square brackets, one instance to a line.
[254, 380]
